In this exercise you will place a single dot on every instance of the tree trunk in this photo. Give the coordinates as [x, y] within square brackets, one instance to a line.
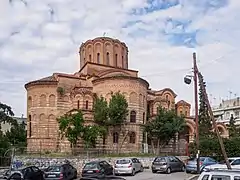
[124, 138]
[153, 148]
[158, 147]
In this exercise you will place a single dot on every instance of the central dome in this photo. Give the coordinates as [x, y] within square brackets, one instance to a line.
[105, 51]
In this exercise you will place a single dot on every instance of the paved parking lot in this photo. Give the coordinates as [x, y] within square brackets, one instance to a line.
[148, 175]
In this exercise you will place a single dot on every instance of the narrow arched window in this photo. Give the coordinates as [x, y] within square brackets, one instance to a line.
[122, 62]
[116, 60]
[86, 105]
[115, 137]
[143, 118]
[78, 104]
[132, 116]
[108, 60]
[30, 125]
[98, 57]
[132, 137]
[90, 57]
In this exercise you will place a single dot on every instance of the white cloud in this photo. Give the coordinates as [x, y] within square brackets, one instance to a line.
[51, 31]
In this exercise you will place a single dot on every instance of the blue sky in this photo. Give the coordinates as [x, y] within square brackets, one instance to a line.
[38, 38]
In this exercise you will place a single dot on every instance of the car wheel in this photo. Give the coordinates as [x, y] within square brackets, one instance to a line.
[168, 171]
[183, 169]
[154, 171]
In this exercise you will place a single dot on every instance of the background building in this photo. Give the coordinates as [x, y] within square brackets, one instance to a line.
[226, 109]
[6, 126]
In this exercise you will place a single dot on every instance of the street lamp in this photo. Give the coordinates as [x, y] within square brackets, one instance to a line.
[188, 80]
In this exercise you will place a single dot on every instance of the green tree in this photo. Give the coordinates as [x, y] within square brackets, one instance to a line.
[100, 112]
[164, 127]
[91, 134]
[71, 126]
[118, 109]
[17, 135]
[205, 125]
[232, 128]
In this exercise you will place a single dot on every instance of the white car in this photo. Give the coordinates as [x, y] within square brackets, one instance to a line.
[234, 162]
[220, 175]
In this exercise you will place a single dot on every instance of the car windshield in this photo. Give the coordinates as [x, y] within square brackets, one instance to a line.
[54, 169]
[195, 159]
[160, 159]
[123, 161]
[91, 166]
[224, 162]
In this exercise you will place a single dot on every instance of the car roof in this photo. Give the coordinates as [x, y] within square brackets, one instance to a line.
[223, 172]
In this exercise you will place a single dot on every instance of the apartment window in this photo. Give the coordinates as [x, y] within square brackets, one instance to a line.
[237, 114]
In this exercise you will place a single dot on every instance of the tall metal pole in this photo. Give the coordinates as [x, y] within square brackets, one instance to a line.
[195, 76]
[214, 122]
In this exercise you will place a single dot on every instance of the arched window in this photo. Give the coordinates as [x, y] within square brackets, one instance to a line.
[167, 97]
[98, 57]
[86, 105]
[90, 57]
[115, 138]
[78, 104]
[143, 118]
[108, 60]
[132, 137]
[30, 125]
[116, 60]
[132, 116]
[186, 113]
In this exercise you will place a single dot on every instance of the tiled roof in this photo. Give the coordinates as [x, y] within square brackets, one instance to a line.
[45, 80]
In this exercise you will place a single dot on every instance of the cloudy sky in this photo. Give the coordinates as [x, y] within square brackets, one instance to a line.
[39, 37]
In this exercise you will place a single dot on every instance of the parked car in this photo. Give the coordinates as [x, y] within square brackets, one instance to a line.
[222, 174]
[167, 164]
[97, 169]
[64, 172]
[29, 173]
[103, 178]
[128, 166]
[234, 162]
[191, 165]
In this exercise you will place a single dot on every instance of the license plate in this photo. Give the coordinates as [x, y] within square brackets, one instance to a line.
[90, 171]
[52, 175]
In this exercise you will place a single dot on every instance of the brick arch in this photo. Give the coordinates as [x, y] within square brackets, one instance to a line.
[222, 129]
[78, 101]
[52, 126]
[52, 100]
[43, 100]
[34, 125]
[66, 98]
[43, 126]
[170, 91]
[133, 97]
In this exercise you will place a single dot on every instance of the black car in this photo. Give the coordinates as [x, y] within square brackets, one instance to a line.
[63, 172]
[29, 173]
[97, 169]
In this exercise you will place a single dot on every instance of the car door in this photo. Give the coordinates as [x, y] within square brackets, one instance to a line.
[103, 167]
[138, 164]
[173, 163]
[37, 173]
[69, 171]
[108, 167]
[179, 164]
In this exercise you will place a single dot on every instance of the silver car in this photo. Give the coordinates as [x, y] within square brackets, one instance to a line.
[128, 166]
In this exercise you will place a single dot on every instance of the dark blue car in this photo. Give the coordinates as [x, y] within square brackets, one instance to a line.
[191, 166]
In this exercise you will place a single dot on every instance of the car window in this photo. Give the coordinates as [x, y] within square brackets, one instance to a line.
[91, 166]
[220, 177]
[105, 163]
[211, 160]
[137, 160]
[205, 177]
[176, 159]
[54, 169]
[172, 159]
[123, 161]
[236, 162]
[134, 160]
[236, 178]
[202, 159]
[159, 159]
